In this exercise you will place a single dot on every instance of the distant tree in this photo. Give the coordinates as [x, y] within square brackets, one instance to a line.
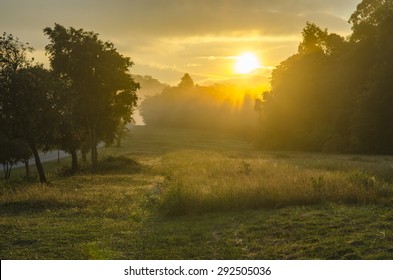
[120, 132]
[149, 85]
[103, 91]
[186, 105]
[186, 82]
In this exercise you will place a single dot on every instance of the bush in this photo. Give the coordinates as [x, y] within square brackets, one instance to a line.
[118, 164]
[109, 164]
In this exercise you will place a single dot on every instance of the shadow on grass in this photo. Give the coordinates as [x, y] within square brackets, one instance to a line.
[108, 165]
[33, 206]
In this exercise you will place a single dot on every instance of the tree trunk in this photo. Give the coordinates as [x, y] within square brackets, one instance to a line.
[27, 167]
[93, 145]
[74, 161]
[7, 170]
[118, 141]
[94, 157]
[38, 164]
[84, 158]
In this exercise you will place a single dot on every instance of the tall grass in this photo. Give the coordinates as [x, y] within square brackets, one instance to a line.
[36, 198]
[200, 182]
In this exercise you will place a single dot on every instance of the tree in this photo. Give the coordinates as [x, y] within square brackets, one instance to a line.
[368, 16]
[34, 111]
[12, 152]
[71, 135]
[120, 132]
[186, 82]
[373, 121]
[335, 94]
[219, 107]
[301, 110]
[27, 100]
[103, 91]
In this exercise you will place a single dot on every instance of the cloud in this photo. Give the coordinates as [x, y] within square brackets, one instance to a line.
[172, 17]
[169, 35]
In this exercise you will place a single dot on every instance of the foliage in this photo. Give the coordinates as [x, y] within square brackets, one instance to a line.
[13, 56]
[334, 95]
[87, 97]
[27, 99]
[103, 92]
[222, 107]
[12, 152]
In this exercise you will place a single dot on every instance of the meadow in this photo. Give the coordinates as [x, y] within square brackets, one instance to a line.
[189, 194]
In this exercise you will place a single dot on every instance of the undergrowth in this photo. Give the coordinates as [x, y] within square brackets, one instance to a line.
[109, 164]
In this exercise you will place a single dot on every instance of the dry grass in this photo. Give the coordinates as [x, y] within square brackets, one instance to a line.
[261, 205]
[200, 182]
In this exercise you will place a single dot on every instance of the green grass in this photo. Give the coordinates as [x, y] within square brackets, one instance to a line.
[200, 182]
[186, 194]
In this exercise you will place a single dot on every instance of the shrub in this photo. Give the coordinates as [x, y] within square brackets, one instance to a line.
[118, 164]
[109, 164]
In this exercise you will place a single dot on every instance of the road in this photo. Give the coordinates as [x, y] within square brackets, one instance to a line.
[51, 156]
[45, 157]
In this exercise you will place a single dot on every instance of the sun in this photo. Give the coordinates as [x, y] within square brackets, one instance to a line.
[246, 63]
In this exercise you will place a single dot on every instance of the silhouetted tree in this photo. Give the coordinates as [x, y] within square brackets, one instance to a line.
[186, 82]
[28, 99]
[72, 134]
[102, 89]
[300, 111]
[373, 121]
[12, 152]
[33, 110]
[367, 18]
[186, 105]
[335, 94]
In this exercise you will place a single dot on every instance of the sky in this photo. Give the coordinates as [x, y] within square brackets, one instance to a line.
[167, 38]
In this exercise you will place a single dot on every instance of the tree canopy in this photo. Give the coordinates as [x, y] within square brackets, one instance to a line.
[27, 101]
[86, 97]
[336, 93]
[188, 105]
[103, 91]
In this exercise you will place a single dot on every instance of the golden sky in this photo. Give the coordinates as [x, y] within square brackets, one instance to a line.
[166, 38]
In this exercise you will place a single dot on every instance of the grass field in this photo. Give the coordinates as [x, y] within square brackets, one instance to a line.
[186, 194]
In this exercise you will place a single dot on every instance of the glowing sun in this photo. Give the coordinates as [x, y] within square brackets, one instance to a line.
[246, 63]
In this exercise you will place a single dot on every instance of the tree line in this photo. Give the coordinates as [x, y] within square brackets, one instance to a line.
[85, 97]
[227, 108]
[336, 93]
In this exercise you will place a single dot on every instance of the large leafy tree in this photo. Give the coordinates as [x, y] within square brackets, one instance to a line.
[301, 109]
[373, 121]
[103, 91]
[33, 111]
[336, 94]
[27, 101]
[368, 16]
